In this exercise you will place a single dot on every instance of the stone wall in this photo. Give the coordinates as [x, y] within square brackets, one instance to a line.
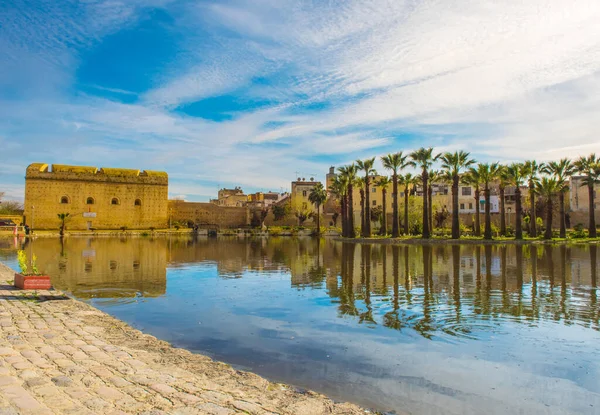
[103, 198]
[209, 214]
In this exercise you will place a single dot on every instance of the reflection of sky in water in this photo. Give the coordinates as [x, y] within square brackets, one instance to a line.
[490, 350]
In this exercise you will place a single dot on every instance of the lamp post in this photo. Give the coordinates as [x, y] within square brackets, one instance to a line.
[32, 216]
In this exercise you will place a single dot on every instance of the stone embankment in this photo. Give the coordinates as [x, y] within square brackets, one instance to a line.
[62, 356]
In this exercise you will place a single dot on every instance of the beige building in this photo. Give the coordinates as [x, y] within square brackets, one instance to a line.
[95, 198]
[231, 198]
[301, 189]
[578, 199]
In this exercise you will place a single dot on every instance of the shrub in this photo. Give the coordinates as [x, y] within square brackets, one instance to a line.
[578, 231]
[27, 269]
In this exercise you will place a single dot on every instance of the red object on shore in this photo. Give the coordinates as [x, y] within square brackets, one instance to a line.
[32, 282]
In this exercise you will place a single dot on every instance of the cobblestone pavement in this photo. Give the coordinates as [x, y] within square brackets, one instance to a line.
[61, 356]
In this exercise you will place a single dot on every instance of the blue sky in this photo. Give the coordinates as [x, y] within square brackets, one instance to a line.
[236, 92]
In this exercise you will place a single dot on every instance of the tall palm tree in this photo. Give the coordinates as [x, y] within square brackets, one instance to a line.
[360, 183]
[434, 176]
[548, 187]
[590, 168]
[503, 181]
[318, 196]
[453, 166]
[561, 170]
[516, 176]
[408, 181]
[395, 162]
[532, 169]
[348, 174]
[473, 179]
[338, 189]
[488, 173]
[424, 159]
[383, 182]
[367, 166]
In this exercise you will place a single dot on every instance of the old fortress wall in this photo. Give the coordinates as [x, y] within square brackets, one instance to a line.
[99, 198]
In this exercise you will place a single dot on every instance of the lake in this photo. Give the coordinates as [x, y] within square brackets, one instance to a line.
[445, 329]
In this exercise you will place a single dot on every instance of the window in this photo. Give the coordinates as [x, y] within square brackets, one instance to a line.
[114, 201]
[466, 191]
[64, 200]
[137, 202]
[373, 190]
[304, 193]
[462, 206]
[470, 205]
[89, 201]
[374, 202]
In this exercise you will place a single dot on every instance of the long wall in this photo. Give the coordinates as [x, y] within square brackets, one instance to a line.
[209, 214]
[104, 198]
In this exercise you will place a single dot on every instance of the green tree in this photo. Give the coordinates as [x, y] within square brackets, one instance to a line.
[532, 169]
[338, 189]
[473, 179]
[63, 217]
[516, 176]
[454, 165]
[348, 175]
[561, 170]
[409, 182]
[318, 196]
[360, 183]
[424, 159]
[589, 167]
[434, 176]
[367, 166]
[383, 182]
[395, 162]
[503, 181]
[487, 174]
[547, 187]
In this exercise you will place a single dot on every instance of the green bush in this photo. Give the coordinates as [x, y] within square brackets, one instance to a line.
[578, 232]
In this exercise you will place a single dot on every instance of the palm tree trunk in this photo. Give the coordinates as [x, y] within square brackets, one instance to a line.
[548, 231]
[477, 222]
[350, 212]
[395, 230]
[384, 220]
[426, 233]
[592, 217]
[362, 213]
[343, 209]
[367, 232]
[429, 197]
[488, 214]
[502, 213]
[518, 214]
[455, 217]
[318, 220]
[532, 218]
[561, 203]
[406, 210]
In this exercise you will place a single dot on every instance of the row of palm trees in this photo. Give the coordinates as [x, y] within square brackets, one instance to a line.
[547, 180]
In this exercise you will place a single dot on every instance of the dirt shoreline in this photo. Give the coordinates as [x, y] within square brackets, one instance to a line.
[60, 355]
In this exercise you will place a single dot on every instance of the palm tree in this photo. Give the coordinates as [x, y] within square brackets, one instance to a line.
[338, 188]
[383, 182]
[424, 158]
[434, 176]
[561, 170]
[503, 181]
[516, 176]
[473, 179]
[548, 187]
[395, 162]
[318, 196]
[453, 165]
[348, 174]
[488, 173]
[408, 181]
[367, 166]
[360, 183]
[532, 170]
[590, 168]
[63, 217]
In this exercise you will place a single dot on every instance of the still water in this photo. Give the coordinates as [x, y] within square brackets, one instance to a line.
[426, 330]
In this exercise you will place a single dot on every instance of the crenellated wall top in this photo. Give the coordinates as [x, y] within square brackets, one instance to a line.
[94, 174]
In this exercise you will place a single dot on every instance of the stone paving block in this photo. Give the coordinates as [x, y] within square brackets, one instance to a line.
[8, 380]
[212, 409]
[21, 398]
[108, 393]
[163, 389]
[62, 381]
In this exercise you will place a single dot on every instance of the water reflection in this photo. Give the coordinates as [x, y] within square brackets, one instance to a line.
[390, 327]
